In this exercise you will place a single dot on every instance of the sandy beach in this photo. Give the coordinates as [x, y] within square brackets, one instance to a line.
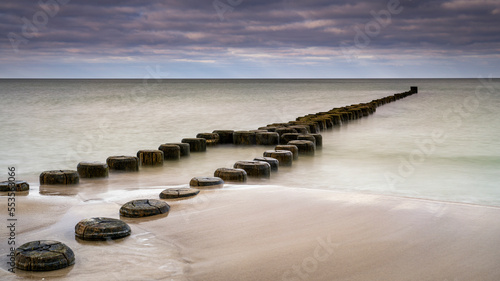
[271, 233]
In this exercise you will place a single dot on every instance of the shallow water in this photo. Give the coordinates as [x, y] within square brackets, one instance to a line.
[415, 147]
[263, 232]
[54, 124]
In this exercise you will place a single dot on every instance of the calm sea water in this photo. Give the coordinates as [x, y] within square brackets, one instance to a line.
[442, 144]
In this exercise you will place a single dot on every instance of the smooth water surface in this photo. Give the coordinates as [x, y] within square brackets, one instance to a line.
[443, 143]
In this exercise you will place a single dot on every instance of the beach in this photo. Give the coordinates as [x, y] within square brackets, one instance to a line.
[274, 233]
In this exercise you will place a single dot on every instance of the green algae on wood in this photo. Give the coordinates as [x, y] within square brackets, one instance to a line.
[59, 177]
[101, 228]
[144, 208]
[174, 193]
[43, 255]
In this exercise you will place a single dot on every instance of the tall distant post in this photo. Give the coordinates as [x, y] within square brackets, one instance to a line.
[414, 89]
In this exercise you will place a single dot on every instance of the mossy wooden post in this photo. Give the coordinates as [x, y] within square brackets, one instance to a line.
[328, 122]
[285, 130]
[18, 186]
[286, 137]
[170, 151]
[305, 147]
[321, 123]
[144, 208]
[292, 148]
[307, 137]
[184, 148]
[123, 163]
[313, 127]
[43, 255]
[196, 144]
[101, 228]
[272, 161]
[319, 139]
[269, 129]
[211, 138]
[150, 157]
[231, 175]
[258, 131]
[244, 138]
[336, 119]
[284, 157]
[225, 136]
[278, 125]
[301, 129]
[66, 177]
[176, 193]
[93, 170]
[267, 138]
[206, 182]
[254, 168]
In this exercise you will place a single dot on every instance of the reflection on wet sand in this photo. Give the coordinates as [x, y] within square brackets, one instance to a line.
[265, 232]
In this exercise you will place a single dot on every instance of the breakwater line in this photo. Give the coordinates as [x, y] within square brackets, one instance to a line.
[293, 140]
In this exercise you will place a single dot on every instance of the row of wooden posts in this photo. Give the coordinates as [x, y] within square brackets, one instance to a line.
[300, 136]
[291, 139]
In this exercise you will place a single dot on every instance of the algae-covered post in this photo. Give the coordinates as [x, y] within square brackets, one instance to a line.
[144, 208]
[176, 193]
[254, 168]
[272, 161]
[14, 185]
[101, 228]
[284, 157]
[301, 129]
[170, 151]
[196, 144]
[206, 182]
[286, 137]
[267, 138]
[244, 138]
[307, 137]
[59, 177]
[93, 170]
[184, 148]
[319, 139]
[150, 157]
[292, 148]
[212, 138]
[233, 175]
[123, 163]
[225, 136]
[286, 130]
[44, 255]
[305, 147]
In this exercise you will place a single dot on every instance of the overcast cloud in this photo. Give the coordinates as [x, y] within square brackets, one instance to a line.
[244, 38]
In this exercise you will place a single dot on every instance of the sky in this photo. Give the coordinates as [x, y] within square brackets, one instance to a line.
[249, 38]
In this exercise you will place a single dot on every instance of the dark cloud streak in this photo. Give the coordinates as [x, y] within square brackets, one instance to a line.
[187, 29]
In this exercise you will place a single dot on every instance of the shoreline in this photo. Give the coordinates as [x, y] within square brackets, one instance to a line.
[252, 184]
[273, 233]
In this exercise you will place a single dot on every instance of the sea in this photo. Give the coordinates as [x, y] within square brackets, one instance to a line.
[440, 144]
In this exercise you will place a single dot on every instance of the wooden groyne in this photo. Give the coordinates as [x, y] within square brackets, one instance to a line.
[292, 140]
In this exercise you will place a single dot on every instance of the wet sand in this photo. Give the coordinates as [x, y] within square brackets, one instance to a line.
[245, 232]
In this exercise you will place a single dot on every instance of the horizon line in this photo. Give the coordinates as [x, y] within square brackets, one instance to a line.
[229, 78]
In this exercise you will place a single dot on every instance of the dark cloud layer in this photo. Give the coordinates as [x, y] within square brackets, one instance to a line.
[227, 31]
